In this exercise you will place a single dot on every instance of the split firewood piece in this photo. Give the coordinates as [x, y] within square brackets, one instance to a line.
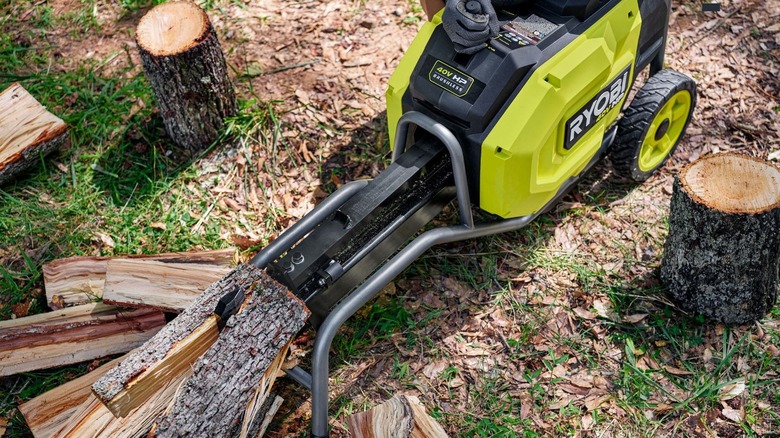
[173, 350]
[722, 256]
[160, 285]
[73, 335]
[403, 416]
[186, 68]
[235, 375]
[79, 280]
[27, 132]
[260, 418]
[94, 420]
[47, 413]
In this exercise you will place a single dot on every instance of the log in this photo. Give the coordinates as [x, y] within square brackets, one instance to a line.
[47, 413]
[159, 285]
[73, 335]
[237, 372]
[173, 350]
[79, 280]
[94, 420]
[403, 416]
[27, 132]
[722, 256]
[186, 68]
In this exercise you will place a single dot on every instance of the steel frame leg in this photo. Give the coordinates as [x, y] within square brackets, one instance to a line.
[366, 291]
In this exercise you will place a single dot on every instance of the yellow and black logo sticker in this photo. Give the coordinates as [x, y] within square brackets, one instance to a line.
[596, 108]
[450, 78]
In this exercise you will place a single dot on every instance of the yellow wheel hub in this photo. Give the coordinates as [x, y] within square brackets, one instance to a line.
[665, 130]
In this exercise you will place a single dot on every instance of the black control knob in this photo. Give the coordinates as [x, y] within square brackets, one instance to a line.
[473, 7]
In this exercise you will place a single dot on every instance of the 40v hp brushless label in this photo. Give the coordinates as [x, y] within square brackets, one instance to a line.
[587, 116]
[450, 78]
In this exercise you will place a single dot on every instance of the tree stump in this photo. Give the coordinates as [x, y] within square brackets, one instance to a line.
[722, 256]
[184, 63]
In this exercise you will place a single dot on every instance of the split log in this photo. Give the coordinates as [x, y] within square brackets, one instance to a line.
[79, 280]
[261, 418]
[722, 256]
[402, 416]
[47, 413]
[73, 335]
[94, 420]
[27, 132]
[184, 63]
[235, 376]
[160, 285]
[173, 350]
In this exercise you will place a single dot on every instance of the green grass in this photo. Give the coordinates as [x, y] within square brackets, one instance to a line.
[118, 175]
[28, 385]
[110, 180]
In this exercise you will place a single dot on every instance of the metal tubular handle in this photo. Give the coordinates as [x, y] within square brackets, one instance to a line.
[456, 156]
[357, 299]
[287, 239]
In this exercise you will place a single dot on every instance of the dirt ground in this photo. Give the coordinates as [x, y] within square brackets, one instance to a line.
[509, 318]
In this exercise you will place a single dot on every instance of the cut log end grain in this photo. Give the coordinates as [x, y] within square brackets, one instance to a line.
[186, 68]
[733, 183]
[172, 28]
[27, 131]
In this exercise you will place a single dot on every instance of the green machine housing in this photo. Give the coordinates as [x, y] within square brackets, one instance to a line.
[540, 102]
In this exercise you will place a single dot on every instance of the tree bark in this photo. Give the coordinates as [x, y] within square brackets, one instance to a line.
[184, 63]
[722, 255]
[236, 374]
[27, 132]
[47, 413]
[73, 335]
[173, 350]
[80, 280]
[400, 417]
[158, 285]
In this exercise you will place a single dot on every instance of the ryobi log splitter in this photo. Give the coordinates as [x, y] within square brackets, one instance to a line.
[508, 128]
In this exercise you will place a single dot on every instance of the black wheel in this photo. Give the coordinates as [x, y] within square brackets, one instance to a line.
[653, 125]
